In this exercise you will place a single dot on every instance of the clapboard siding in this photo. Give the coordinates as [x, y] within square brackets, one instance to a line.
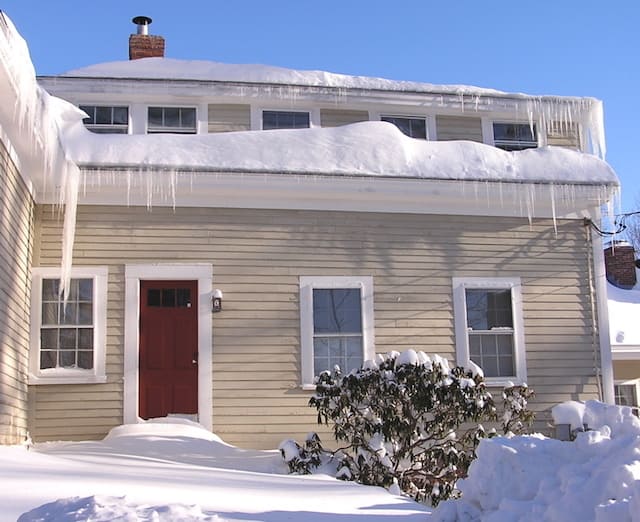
[338, 117]
[564, 134]
[229, 117]
[258, 257]
[16, 232]
[459, 128]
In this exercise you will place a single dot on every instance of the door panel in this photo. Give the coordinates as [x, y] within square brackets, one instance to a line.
[168, 348]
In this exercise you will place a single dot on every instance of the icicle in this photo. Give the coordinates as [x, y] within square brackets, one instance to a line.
[552, 195]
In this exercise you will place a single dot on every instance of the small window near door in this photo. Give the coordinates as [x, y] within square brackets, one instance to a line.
[68, 337]
[626, 394]
[169, 297]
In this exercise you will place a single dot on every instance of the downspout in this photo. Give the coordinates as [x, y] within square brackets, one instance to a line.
[600, 311]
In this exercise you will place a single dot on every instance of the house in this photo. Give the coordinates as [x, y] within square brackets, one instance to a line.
[229, 231]
[623, 293]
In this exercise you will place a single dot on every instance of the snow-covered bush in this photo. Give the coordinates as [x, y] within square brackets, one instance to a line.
[301, 460]
[408, 419]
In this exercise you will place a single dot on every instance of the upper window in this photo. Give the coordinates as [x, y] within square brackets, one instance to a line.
[336, 318]
[68, 338]
[514, 136]
[488, 317]
[412, 127]
[104, 119]
[285, 120]
[171, 120]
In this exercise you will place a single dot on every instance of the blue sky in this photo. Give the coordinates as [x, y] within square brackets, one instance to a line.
[562, 47]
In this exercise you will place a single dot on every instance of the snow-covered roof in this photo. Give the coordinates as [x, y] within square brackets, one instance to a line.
[170, 68]
[624, 327]
[361, 149]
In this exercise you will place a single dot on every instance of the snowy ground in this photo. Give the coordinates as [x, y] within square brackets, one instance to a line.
[175, 471]
[180, 472]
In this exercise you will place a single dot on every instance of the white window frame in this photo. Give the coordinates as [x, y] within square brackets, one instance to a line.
[636, 384]
[108, 128]
[409, 117]
[525, 144]
[314, 117]
[97, 374]
[307, 285]
[460, 284]
[171, 130]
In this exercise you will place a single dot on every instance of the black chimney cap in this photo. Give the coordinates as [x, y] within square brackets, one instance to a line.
[141, 20]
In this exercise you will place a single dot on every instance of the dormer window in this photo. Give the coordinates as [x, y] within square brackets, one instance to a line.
[515, 136]
[285, 120]
[412, 127]
[106, 119]
[181, 120]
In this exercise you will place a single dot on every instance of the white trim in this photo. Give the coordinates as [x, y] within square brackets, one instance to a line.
[459, 284]
[602, 310]
[307, 285]
[202, 272]
[99, 275]
[314, 115]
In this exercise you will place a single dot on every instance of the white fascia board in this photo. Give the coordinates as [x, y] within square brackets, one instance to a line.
[338, 192]
[625, 352]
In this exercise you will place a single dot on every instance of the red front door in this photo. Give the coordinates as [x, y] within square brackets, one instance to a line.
[168, 363]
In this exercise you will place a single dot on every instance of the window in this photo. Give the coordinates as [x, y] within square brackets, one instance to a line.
[514, 136]
[171, 120]
[489, 331]
[336, 324]
[106, 119]
[412, 127]
[626, 394]
[68, 339]
[285, 120]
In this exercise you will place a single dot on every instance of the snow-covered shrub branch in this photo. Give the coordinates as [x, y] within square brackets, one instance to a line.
[405, 419]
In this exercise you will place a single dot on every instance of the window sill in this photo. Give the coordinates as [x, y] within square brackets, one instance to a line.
[67, 378]
[308, 387]
[503, 382]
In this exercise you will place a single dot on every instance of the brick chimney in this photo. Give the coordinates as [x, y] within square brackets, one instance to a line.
[142, 44]
[619, 259]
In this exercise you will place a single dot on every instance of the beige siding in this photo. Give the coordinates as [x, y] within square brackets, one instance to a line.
[229, 117]
[564, 135]
[338, 117]
[258, 256]
[458, 128]
[16, 231]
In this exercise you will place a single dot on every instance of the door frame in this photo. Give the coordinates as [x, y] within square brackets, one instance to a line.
[134, 273]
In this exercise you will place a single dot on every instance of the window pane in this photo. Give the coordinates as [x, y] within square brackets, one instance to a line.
[50, 289]
[505, 366]
[85, 360]
[487, 309]
[155, 116]
[625, 394]
[49, 313]
[85, 338]
[154, 297]
[344, 352]
[49, 339]
[85, 313]
[171, 117]
[90, 110]
[67, 358]
[103, 115]
[337, 310]
[188, 118]
[121, 115]
[68, 338]
[85, 289]
[490, 366]
[183, 297]
[48, 359]
[68, 313]
[168, 297]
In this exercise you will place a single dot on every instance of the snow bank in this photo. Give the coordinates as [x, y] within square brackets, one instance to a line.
[109, 509]
[532, 478]
[366, 148]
